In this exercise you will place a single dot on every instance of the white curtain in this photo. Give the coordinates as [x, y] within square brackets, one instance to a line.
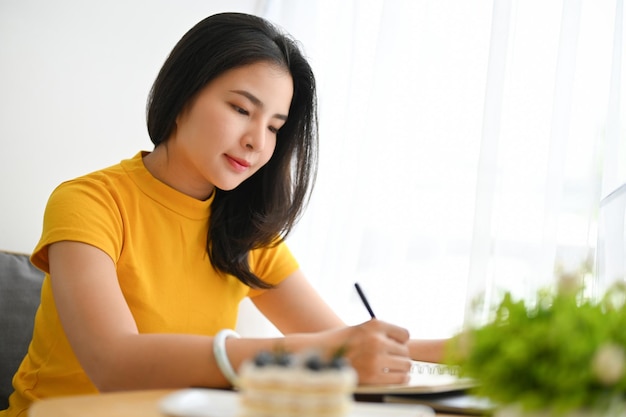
[464, 149]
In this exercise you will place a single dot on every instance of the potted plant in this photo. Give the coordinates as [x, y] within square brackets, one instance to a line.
[561, 354]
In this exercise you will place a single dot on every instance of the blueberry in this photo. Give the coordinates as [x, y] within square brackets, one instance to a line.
[263, 358]
[314, 363]
[283, 359]
[338, 362]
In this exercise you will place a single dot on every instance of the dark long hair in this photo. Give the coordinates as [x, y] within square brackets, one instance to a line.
[262, 210]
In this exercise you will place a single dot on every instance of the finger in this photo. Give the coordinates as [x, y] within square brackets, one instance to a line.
[389, 378]
[397, 372]
[397, 333]
[386, 369]
[397, 364]
[394, 348]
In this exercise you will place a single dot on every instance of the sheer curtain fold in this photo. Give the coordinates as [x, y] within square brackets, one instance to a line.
[463, 148]
[612, 178]
[480, 277]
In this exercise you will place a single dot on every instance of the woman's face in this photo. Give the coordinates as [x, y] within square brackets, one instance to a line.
[227, 132]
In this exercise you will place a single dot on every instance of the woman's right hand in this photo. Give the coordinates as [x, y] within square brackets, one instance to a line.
[377, 350]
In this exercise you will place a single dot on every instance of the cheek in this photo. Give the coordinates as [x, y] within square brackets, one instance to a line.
[268, 152]
[265, 157]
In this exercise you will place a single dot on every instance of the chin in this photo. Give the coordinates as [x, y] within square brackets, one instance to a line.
[227, 186]
[229, 183]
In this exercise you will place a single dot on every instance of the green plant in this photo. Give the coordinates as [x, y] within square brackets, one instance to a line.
[559, 353]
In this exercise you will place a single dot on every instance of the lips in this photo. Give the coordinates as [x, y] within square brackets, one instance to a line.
[237, 163]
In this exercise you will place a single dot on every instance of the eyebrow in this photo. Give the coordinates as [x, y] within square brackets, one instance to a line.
[258, 103]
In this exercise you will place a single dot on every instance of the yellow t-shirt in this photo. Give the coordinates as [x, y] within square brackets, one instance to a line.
[156, 237]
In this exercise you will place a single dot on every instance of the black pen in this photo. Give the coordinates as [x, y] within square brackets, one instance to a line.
[367, 305]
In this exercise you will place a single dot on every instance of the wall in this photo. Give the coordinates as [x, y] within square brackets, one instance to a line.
[74, 77]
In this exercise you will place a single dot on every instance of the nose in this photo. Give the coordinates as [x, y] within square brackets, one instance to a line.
[255, 137]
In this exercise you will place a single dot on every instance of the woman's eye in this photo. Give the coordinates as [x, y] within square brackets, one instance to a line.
[240, 110]
[273, 129]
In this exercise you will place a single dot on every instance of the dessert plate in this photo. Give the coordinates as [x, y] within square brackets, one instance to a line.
[199, 402]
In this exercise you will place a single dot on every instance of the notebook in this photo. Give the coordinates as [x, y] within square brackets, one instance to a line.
[433, 385]
[425, 378]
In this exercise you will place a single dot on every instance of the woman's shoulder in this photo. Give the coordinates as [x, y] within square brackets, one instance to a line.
[106, 179]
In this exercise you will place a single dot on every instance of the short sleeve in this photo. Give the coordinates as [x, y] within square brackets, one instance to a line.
[80, 210]
[272, 265]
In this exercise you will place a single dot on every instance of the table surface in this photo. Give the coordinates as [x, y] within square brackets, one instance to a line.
[119, 404]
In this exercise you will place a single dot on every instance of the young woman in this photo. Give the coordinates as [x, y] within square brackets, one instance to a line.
[147, 261]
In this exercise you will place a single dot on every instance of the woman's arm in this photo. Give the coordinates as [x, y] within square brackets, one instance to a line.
[105, 339]
[103, 333]
[295, 306]
[428, 350]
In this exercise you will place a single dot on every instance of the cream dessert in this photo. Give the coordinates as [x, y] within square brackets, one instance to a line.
[286, 385]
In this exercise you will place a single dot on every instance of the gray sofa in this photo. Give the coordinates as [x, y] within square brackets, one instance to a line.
[20, 286]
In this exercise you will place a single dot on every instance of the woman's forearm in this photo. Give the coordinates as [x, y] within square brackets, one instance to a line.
[150, 361]
[426, 350]
[145, 361]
